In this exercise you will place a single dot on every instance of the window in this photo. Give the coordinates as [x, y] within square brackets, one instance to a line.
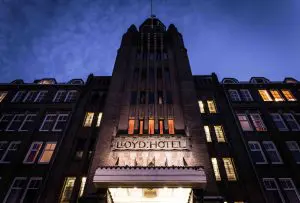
[10, 152]
[151, 126]
[219, 133]
[257, 153]
[265, 95]
[2, 96]
[171, 126]
[160, 97]
[16, 189]
[273, 189]
[161, 127]
[279, 122]
[59, 96]
[3, 146]
[131, 126]
[4, 121]
[258, 122]
[67, 190]
[33, 152]
[48, 122]
[15, 122]
[88, 119]
[47, 82]
[141, 127]
[293, 124]
[201, 106]
[151, 97]
[28, 122]
[30, 96]
[41, 96]
[79, 148]
[31, 189]
[234, 95]
[60, 123]
[289, 189]
[142, 97]
[211, 106]
[47, 153]
[71, 96]
[295, 150]
[99, 119]
[276, 95]
[83, 181]
[245, 94]
[18, 96]
[288, 95]
[244, 122]
[229, 168]
[272, 152]
[207, 133]
[216, 169]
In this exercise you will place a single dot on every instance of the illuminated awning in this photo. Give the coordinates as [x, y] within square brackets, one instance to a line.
[118, 176]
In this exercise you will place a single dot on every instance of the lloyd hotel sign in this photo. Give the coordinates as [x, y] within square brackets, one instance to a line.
[151, 143]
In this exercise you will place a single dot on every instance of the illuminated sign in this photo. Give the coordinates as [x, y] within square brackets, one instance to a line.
[151, 143]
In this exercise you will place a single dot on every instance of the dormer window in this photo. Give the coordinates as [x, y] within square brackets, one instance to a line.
[260, 80]
[76, 82]
[230, 81]
[47, 82]
[290, 80]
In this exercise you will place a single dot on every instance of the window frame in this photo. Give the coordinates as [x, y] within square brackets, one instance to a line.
[207, 133]
[274, 150]
[44, 150]
[281, 120]
[220, 137]
[26, 120]
[264, 95]
[11, 187]
[54, 100]
[273, 189]
[249, 96]
[228, 170]
[293, 150]
[234, 95]
[7, 151]
[258, 122]
[216, 169]
[248, 121]
[288, 95]
[213, 104]
[294, 188]
[57, 120]
[31, 93]
[88, 120]
[3, 94]
[22, 92]
[255, 150]
[37, 98]
[290, 115]
[30, 150]
[276, 95]
[99, 119]
[201, 106]
[13, 120]
[52, 121]
[28, 185]
[71, 99]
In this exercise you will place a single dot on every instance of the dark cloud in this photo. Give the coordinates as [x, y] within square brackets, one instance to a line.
[69, 39]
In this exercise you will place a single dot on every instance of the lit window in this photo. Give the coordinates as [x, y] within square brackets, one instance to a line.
[279, 122]
[15, 122]
[67, 189]
[207, 133]
[4, 121]
[161, 127]
[171, 126]
[201, 106]
[88, 119]
[48, 122]
[30, 96]
[219, 133]
[293, 124]
[15, 190]
[131, 126]
[295, 150]
[31, 189]
[211, 106]
[244, 122]
[71, 96]
[83, 181]
[273, 189]
[234, 95]
[265, 95]
[99, 119]
[257, 153]
[290, 190]
[59, 96]
[258, 122]
[288, 95]
[141, 127]
[276, 95]
[151, 126]
[33, 152]
[46, 82]
[229, 168]
[41, 96]
[216, 168]
[18, 96]
[245, 94]
[60, 123]
[10, 152]
[2, 96]
[272, 152]
[47, 153]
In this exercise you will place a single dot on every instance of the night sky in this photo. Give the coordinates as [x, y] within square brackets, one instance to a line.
[68, 39]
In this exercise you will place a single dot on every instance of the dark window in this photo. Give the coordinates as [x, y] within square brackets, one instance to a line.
[151, 75]
[136, 74]
[169, 97]
[5, 120]
[133, 97]
[159, 73]
[160, 97]
[79, 149]
[151, 97]
[167, 75]
[142, 97]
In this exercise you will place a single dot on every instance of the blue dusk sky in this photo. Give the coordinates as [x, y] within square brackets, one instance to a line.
[68, 39]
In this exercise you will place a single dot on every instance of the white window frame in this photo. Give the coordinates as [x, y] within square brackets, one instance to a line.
[39, 161]
[273, 189]
[13, 120]
[280, 119]
[293, 186]
[45, 120]
[7, 151]
[4, 149]
[207, 133]
[70, 92]
[296, 149]
[3, 95]
[247, 119]
[234, 95]
[28, 186]
[16, 95]
[30, 150]
[215, 165]
[59, 116]
[274, 149]
[99, 118]
[201, 106]
[29, 94]
[58, 95]
[26, 120]
[37, 98]
[256, 150]
[258, 122]
[11, 187]
[290, 118]
[2, 117]
[245, 93]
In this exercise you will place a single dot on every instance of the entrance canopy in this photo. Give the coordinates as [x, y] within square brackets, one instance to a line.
[149, 177]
